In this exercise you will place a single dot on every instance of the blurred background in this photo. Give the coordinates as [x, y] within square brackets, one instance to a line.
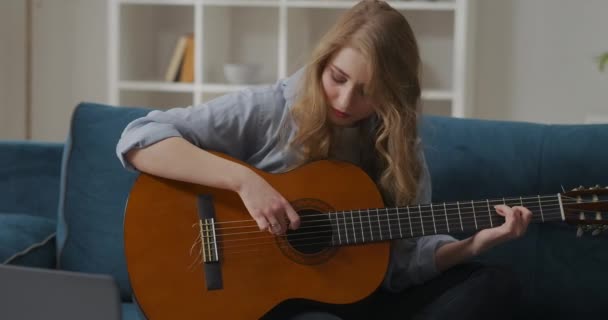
[523, 60]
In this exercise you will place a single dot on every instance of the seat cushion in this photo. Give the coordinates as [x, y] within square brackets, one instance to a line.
[94, 191]
[27, 240]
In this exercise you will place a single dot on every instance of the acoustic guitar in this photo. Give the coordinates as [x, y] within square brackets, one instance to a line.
[194, 252]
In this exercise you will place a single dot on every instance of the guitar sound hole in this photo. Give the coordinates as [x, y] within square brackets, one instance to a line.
[314, 234]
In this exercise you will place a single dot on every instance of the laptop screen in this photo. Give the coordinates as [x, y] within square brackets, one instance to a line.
[32, 293]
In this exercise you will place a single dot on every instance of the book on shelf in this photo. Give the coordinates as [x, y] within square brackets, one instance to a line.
[174, 69]
[186, 73]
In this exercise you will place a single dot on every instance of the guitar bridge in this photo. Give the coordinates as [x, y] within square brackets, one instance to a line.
[208, 240]
[209, 248]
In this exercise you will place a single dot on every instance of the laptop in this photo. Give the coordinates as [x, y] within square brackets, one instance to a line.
[33, 293]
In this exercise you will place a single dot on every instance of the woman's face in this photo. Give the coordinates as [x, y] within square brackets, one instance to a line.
[344, 81]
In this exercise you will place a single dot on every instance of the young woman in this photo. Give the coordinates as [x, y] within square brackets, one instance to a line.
[356, 100]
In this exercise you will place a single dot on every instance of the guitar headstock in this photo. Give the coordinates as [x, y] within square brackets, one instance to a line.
[587, 208]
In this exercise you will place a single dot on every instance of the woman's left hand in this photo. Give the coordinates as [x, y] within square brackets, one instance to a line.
[516, 223]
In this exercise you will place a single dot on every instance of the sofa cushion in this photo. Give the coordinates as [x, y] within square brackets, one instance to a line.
[94, 190]
[27, 240]
[29, 177]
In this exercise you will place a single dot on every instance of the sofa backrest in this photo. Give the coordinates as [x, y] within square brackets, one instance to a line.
[479, 159]
[94, 190]
[468, 159]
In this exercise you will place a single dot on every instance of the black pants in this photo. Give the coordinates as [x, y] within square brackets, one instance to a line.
[467, 291]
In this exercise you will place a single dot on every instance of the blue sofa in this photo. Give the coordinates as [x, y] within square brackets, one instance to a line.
[61, 204]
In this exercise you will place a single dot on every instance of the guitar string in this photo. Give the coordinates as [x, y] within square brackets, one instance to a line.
[397, 215]
[403, 210]
[362, 228]
[414, 227]
[439, 208]
[374, 219]
[481, 202]
[273, 245]
[480, 221]
[391, 212]
[353, 239]
[330, 237]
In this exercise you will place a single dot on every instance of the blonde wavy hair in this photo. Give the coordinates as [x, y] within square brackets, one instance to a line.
[384, 37]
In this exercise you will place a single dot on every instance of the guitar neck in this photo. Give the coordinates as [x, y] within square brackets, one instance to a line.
[381, 224]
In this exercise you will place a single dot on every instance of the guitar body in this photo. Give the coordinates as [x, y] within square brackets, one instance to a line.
[258, 270]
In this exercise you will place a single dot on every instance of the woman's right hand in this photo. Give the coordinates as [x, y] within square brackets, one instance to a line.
[267, 206]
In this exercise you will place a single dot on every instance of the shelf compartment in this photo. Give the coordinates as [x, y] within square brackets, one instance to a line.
[148, 37]
[240, 35]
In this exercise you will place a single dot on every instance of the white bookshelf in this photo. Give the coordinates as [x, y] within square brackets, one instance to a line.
[276, 34]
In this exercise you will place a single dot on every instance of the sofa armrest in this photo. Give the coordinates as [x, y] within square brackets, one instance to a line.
[29, 177]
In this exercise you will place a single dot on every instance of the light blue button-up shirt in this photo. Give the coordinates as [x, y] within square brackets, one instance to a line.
[246, 125]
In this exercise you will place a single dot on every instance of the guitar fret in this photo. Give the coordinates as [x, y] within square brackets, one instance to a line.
[332, 224]
[542, 216]
[361, 222]
[421, 222]
[409, 216]
[379, 227]
[353, 225]
[445, 210]
[369, 220]
[345, 227]
[474, 215]
[399, 223]
[459, 215]
[390, 232]
[490, 213]
[338, 226]
[433, 216]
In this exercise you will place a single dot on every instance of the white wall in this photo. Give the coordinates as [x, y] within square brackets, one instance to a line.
[535, 60]
[69, 62]
[12, 69]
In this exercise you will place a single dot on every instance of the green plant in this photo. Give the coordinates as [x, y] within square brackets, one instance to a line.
[602, 61]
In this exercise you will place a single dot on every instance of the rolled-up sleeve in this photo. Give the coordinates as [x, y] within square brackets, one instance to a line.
[228, 124]
[412, 261]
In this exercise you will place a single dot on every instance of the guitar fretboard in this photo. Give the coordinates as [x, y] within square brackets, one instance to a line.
[380, 224]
